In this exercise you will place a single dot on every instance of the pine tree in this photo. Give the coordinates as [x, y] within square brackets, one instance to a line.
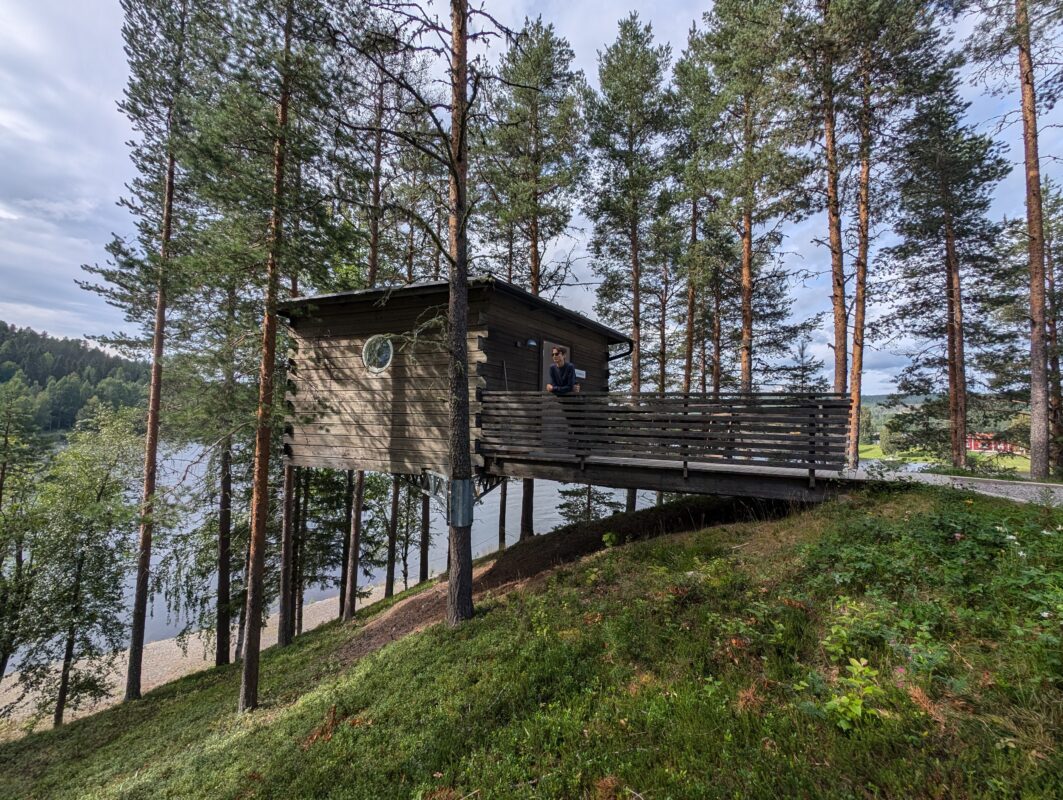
[627, 121]
[163, 43]
[1028, 31]
[751, 137]
[945, 173]
[587, 504]
[533, 162]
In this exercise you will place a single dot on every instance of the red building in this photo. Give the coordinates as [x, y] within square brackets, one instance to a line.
[988, 443]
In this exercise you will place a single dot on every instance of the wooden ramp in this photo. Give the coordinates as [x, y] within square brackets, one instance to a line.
[776, 445]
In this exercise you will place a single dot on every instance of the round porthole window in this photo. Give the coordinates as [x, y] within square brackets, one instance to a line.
[377, 353]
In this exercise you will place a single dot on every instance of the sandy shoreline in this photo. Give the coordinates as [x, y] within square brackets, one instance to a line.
[164, 661]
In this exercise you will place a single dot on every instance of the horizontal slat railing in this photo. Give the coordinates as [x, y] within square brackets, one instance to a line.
[798, 431]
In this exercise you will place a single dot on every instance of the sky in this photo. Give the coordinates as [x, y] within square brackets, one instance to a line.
[64, 160]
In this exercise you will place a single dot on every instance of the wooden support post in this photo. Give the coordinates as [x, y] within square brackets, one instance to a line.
[354, 548]
[393, 529]
[287, 540]
[502, 491]
[349, 501]
[426, 535]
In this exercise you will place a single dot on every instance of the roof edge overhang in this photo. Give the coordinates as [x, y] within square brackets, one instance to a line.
[301, 306]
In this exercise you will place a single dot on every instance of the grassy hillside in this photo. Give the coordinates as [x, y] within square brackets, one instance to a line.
[896, 643]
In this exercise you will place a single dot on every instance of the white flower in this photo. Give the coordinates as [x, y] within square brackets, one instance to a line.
[1046, 614]
[1022, 554]
[1012, 538]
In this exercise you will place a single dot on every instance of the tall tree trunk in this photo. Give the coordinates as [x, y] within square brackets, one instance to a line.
[662, 331]
[288, 526]
[459, 590]
[703, 365]
[354, 547]
[410, 252]
[636, 329]
[68, 650]
[1036, 242]
[375, 210]
[688, 362]
[225, 525]
[241, 627]
[636, 311]
[834, 223]
[151, 439]
[349, 502]
[956, 367]
[717, 335]
[863, 240]
[393, 528]
[406, 539]
[1055, 400]
[426, 537]
[746, 351]
[502, 492]
[299, 571]
[260, 475]
[527, 509]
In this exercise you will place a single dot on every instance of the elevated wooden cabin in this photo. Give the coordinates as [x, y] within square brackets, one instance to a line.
[368, 381]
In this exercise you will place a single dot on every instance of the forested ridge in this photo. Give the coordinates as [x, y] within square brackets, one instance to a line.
[63, 375]
[286, 148]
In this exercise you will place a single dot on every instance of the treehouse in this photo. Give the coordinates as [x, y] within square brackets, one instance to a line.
[369, 387]
[368, 381]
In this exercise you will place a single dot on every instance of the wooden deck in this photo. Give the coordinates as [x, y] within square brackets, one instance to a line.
[758, 445]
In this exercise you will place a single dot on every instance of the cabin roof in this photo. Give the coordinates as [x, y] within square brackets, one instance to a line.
[301, 306]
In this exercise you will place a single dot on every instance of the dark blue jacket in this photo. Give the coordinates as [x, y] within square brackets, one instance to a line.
[563, 380]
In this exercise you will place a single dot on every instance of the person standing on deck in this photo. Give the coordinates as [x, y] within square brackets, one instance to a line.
[562, 374]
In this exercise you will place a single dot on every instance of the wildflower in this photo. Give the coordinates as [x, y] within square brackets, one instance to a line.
[1022, 554]
[1012, 537]
[1046, 615]
[959, 537]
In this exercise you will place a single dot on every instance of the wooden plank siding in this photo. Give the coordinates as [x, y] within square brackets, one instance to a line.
[516, 367]
[341, 415]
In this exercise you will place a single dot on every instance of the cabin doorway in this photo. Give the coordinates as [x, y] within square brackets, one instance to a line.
[547, 361]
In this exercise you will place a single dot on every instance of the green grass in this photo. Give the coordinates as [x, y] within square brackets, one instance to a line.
[995, 465]
[729, 662]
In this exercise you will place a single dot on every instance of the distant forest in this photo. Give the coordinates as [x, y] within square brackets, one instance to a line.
[65, 375]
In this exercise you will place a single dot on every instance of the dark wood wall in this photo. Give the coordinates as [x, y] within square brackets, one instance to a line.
[511, 320]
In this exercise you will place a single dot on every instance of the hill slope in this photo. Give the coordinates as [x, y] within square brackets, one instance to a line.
[711, 663]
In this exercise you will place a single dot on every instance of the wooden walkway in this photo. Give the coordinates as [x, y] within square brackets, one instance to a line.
[758, 445]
